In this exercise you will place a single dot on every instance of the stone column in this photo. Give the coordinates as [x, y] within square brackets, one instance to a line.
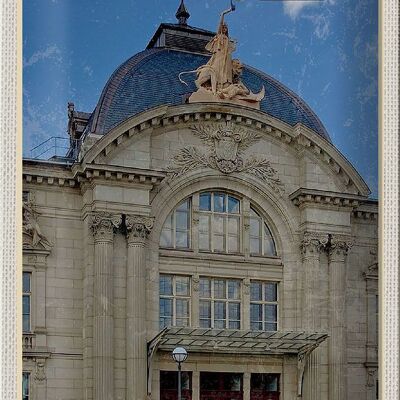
[138, 229]
[195, 385]
[338, 248]
[246, 385]
[103, 225]
[311, 247]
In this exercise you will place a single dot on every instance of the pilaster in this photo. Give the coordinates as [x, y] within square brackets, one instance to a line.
[312, 245]
[338, 248]
[103, 225]
[138, 229]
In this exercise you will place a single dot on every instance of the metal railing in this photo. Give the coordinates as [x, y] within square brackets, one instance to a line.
[56, 146]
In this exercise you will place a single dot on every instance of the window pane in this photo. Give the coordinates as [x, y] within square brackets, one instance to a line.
[205, 201]
[26, 282]
[166, 285]
[204, 241]
[165, 321]
[205, 309]
[269, 245]
[233, 244]
[26, 304]
[255, 312]
[234, 311]
[182, 239]
[271, 292]
[219, 289]
[234, 324]
[219, 324]
[271, 327]
[204, 223]
[271, 312]
[219, 244]
[205, 287]
[254, 227]
[166, 238]
[26, 323]
[182, 285]
[182, 220]
[182, 322]
[233, 289]
[182, 308]
[218, 225]
[184, 206]
[168, 221]
[255, 245]
[25, 386]
[205, 323]
[219, 202]
[165, 307]
[256, 291]
[233, 205]
[219, 310]
[256, 326]
[233, 225]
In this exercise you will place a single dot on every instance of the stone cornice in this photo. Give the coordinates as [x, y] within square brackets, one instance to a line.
[164, 116]
[79, 174]
[302, 197]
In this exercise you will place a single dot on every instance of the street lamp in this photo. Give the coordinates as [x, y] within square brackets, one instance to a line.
[179, 355]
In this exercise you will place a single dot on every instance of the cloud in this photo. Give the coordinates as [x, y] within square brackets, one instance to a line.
[348, 122]
[87, 69]
[293, 8]
[52, 52]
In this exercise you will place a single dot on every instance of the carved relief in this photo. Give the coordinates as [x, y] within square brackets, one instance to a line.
[103, 225]
[313, 243]
[196, 282]
[40, 372]
[32, 234]
[226, 144]
[339, 245]
[138, 227]
[246, 286]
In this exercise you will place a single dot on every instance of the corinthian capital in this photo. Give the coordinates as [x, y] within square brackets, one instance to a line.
[339, 246]
[138, 227]
[103, 225]
[313, 243]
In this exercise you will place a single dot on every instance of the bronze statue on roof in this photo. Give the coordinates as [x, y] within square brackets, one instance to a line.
[220, 79]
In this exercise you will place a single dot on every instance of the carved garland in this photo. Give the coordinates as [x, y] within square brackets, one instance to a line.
[226, 144]
[314, 243]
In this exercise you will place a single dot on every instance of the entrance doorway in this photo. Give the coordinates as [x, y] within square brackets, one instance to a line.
[169, 385]
[264, 387]
[221, 386]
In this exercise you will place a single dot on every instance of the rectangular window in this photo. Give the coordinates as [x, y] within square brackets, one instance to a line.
[264, 387]
[169, 385]
[25, 386]
[26, 301]
[264, 306]
[174, 300]
[220, 303]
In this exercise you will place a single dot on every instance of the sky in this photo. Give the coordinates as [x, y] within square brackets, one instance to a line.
[326, 51]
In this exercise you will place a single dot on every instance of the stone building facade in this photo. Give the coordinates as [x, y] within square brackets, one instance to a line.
[238, 232]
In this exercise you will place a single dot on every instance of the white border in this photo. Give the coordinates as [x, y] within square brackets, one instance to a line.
[389, 201]
[10, 198]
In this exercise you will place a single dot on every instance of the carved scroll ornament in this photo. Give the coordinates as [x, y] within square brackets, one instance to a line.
[226, 144]
[138, 227]
[103, 225]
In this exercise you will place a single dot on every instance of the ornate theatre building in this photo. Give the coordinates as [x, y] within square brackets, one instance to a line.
[203, 205]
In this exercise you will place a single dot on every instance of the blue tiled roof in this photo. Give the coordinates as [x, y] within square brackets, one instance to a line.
[150, 79]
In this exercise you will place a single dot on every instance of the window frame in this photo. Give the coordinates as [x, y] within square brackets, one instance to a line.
[174, 297]
[27, 294]
[28, 374]
[264, 303]
[212, 300]
[262, 235]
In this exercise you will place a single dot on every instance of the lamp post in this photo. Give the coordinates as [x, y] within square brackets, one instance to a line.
[179, 355]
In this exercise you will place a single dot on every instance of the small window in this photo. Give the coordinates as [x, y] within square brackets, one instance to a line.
[26, 301]
[264, 306]
[174, 300]
[169, 385]
[220, 303]
[264, 386]
[176, 229]
[25, 386]
[261, 241]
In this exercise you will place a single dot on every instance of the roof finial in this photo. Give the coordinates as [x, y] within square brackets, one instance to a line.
[182, 14]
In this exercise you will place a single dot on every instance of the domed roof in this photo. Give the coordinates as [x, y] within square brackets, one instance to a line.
[150, 79]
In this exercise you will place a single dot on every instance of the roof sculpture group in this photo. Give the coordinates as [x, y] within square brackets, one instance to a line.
[220, 79]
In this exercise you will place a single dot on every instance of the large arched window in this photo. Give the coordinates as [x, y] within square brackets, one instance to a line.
[218, 225]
